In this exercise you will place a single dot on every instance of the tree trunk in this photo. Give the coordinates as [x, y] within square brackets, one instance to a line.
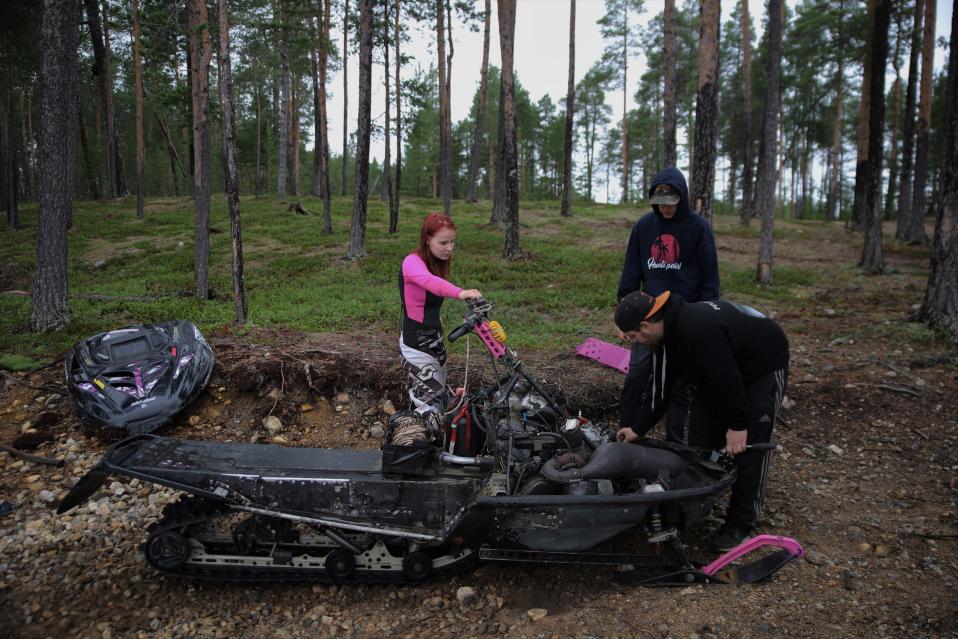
[294, 104]
[57, 149]
[448, 122]
[283, 135]
[346, 4]
[915, 233]
[8, 140]
[805, 176]
[872, 260]
[29, 146]
[491, 156]
[175, 162]
[940, 306]
[387, 160]
[908, 129]
[104, 80]
[138, 88]
[323, 148]
[732, 178]
[590, 155]
[481, 108]
[201, 57]
[445, 155]
[316, 33]
[765, 181]
[188, 132]
[832, 202]
[747, 212]
[895, 119]
[670, 80]
[500, 215]
[357, 231]
[706, 109]
[258, 179]
[625, 109]
[229, 163]
[508, 151]
[861, 165]
[89, 166]
[118, 168]
[569, 111]
[8, 158]
[395, 203]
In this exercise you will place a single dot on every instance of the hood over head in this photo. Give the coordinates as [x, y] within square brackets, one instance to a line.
[673, 177]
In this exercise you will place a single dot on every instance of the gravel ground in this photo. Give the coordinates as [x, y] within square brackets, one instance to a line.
[863, 480]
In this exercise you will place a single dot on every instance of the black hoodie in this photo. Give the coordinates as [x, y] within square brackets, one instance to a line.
[675, 255]
[720, 348]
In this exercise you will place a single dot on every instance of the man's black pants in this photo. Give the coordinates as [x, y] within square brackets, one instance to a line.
[707, 431]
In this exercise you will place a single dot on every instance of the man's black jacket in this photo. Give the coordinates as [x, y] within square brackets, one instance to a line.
[720, 348]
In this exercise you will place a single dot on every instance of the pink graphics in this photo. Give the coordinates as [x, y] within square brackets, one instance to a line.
[497, 349]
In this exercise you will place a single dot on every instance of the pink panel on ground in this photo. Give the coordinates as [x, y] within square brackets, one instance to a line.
[609, 354]
[747, 546]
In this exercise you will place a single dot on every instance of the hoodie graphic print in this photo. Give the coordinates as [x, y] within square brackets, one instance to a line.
[675, 255]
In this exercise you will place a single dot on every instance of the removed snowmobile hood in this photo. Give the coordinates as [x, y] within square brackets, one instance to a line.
[136, 379]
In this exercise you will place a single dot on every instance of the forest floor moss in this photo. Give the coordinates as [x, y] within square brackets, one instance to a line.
[124, 271]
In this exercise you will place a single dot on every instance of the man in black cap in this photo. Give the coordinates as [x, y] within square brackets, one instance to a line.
[671, 248]
[737, 361]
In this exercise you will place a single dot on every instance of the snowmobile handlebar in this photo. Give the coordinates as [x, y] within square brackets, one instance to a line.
[474, 317]
[458, 332]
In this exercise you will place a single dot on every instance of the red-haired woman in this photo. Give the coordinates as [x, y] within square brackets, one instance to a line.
[422, 288]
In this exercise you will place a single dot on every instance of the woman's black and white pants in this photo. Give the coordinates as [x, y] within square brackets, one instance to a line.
[424, 360]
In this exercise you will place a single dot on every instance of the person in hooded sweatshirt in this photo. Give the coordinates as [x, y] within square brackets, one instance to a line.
[671, 248]
[737, 361]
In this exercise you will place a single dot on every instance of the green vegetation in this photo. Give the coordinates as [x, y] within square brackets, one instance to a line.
[17, 362]
[561, 293]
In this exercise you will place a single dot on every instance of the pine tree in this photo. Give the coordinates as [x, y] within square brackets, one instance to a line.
[566, 209]
[357, 230]
[765, 181]
[58, 120]
[508, 172]
[915, 231]
[229, 162]
[940, 306]
[706, 110]
[872, 260]
[201, 55]
[474, 155]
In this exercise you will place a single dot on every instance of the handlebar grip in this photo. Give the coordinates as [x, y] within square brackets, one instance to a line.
[458, 332]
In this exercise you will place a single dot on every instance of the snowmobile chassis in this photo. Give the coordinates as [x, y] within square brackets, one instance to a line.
[408, 513]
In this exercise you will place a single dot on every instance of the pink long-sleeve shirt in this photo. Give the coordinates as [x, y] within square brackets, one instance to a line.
[422, 294]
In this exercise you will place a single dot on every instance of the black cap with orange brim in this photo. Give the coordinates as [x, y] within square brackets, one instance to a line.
[635, 308]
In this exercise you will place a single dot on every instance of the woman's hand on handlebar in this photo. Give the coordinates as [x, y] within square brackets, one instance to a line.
[469, 294]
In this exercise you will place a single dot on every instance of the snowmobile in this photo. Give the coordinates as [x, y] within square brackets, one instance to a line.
[510, 477]
[136, 379]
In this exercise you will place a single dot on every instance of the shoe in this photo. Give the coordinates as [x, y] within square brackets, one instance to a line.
[728, 537]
